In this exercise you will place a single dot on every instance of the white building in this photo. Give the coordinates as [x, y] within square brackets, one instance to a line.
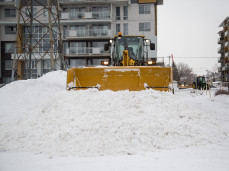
[86, 25]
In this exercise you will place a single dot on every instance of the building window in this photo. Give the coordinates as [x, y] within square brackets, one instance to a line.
[77, 62]
[33, 64]
[45, 12]
[47, 64]
[10, 12]
[79, 48]
[117, 13]
[125, 13]
[144, 9]
[10, 29]
[100, 29]
[9, 47]
[118, 28]
[65, 28]
[144, 26]
[8, 64]
[39, 32]
[100, 12]
[125, 29]
[65, 44]
[77, 13]
[6, 80]
[28, 10]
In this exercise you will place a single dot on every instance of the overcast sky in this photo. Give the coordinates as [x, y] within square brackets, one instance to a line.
[188, 28]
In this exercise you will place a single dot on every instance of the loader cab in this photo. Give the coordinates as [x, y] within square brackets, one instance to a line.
[133, 44]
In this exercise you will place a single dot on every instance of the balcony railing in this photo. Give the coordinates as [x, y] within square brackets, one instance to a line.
[85, 51]
[226, 77]
[220, 59]
[88, 33]
[220, 49]
[220, 40]
[86, 15]
[226, 44]
[220, 69]
[226, 66]
[227, 54]
[227, 24]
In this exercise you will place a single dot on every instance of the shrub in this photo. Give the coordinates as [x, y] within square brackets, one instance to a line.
[219, 92]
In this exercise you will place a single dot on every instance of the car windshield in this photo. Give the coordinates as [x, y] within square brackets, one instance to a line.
[134, 45]
[183, 83]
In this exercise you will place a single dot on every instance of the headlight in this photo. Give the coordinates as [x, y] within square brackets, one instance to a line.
[150, 62]
[147, 41]
[106, 63]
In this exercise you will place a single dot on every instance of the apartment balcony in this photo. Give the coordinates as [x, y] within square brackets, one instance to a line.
[83, 1]
[7, 2]
[69, 2]
[226, 33]
[226, 59]
[226, 67]
[220, 69]
[86, 52]
[226, 49]
[88, 34]
[86, 17]
[221, 49]
[226, 77]
[226, 44]
[220, 40]
[226, 38]
[226, 27]
[220, 59]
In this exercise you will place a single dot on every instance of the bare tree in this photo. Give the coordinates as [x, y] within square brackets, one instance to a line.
[185, 72]
[175, 72]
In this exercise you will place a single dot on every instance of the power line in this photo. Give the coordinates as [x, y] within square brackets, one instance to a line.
[195, 57]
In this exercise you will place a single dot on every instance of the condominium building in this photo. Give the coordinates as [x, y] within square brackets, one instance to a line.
[223, 50]
[7, 38]
[86, 26]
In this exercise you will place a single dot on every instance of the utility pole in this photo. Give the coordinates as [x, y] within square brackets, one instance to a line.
[38, 41]
[30, 39]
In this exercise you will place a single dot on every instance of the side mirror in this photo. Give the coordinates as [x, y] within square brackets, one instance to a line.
[106, 47]
[152, 46]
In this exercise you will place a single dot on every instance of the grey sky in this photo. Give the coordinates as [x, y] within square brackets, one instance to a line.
[188, 28]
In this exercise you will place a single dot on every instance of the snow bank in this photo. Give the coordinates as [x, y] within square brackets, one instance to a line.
[40, 116]
[19, 96]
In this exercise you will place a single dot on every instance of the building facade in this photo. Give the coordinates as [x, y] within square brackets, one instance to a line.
[86, 26]
[7, 38]
[223, 50]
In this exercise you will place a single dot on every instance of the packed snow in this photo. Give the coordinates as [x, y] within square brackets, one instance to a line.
[41, 117]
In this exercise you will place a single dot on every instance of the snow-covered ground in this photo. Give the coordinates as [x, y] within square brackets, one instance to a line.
[45, 127]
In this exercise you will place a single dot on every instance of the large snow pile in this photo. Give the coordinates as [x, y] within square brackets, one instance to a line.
[40, 116]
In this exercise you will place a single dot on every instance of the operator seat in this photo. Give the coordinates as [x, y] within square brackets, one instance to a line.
[131, 52]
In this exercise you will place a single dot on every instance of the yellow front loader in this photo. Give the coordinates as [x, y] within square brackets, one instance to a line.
[130, 69]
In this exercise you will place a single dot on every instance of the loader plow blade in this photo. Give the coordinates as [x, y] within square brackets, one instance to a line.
[132, 78]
